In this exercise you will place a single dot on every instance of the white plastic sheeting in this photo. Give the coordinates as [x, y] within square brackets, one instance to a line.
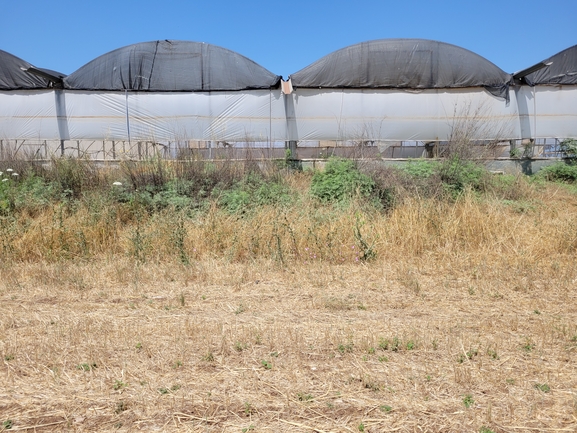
[393, 114]
[555, 112]
[28, 114]
[256, 115]
[253, 116]
[249, 116]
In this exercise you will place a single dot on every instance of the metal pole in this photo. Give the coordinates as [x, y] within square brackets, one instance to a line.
[270, 123]
[127, 117]
[535, 112]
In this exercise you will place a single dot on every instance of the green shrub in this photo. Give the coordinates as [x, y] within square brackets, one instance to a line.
[458, 174]
[569, 148]
[29, 193]
[235, 200]
[421, 169]
[340, 181]
[254, 190]
[559, 172]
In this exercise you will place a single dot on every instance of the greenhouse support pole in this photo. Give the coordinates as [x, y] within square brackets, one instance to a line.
[127, 117]
[292, 147]
[270, 146]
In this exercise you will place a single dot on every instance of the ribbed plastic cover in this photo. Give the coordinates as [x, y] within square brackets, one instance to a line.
[563, 70]
[13, 77]
[403, 63]
[171, 66]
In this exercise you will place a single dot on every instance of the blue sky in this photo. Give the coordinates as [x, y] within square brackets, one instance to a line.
[284, 37]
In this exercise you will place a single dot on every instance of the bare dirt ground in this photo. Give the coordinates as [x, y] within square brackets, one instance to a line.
[456, 346]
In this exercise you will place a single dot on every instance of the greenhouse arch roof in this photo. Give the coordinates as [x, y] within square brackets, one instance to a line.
[171, 66]
[403, 63]
[13, 75]
[562, 70]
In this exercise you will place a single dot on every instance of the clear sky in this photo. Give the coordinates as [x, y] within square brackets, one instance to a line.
[284, 37]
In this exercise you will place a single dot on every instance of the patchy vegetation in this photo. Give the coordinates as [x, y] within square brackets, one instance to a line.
[214, 296]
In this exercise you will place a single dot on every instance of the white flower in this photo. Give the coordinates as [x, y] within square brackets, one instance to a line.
[5, 180]
[15, 174]
[117, 183]
[0, 173]
[9, 169]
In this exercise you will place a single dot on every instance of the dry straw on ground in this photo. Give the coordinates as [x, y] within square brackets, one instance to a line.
[465, 321]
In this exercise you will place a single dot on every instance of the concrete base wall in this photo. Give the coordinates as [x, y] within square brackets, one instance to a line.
[501, 165]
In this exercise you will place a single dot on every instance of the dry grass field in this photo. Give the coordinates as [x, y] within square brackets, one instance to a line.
[438, 316]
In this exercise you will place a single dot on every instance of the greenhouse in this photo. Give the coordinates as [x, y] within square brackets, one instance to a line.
[390, 98]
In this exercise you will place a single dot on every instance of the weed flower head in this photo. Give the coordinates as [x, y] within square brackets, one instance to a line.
[15, 174]
[5, 180]
[9, 170]
[117, 183]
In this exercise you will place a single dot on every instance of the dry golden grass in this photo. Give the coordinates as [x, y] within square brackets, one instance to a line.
[275, 326]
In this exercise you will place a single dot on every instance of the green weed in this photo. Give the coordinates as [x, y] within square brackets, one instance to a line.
[543, 387]
[119, 384]
[240, 346]
[528, 346]
[384, 344]
[305, 397]
[345, 348]
[86, 366]
[468, 401]
[248, 408]
[493, 353]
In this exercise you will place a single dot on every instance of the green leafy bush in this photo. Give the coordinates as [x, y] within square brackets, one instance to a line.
[559, 172]
[30, 193]
[458, 174]
[254, 190]
[421, 169]
[340, 181]
[569, 148]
